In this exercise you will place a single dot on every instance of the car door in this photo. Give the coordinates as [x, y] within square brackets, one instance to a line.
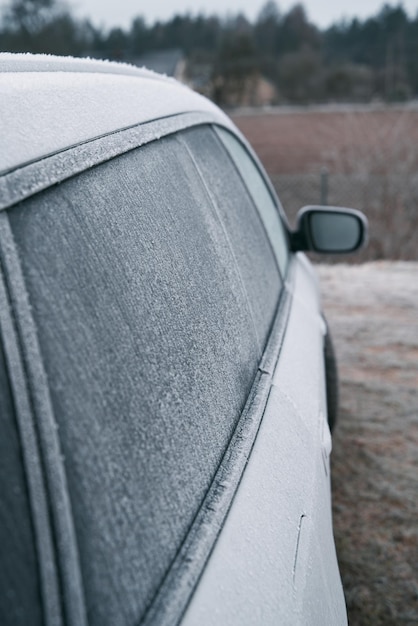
[146, 302]
[134, 352]
[274, 561]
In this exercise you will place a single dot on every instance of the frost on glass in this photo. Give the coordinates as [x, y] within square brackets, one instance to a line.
[261, 196]
[243, 227]
[150, 353]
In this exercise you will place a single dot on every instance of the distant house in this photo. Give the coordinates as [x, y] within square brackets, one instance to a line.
[264, 93]
[170, 62]
[253, 91]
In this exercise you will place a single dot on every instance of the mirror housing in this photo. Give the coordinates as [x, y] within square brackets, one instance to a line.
[329, 230]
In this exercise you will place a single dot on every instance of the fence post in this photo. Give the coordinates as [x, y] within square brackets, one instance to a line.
[324, 186]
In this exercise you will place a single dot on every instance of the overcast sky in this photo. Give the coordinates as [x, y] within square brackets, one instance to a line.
[321, 12]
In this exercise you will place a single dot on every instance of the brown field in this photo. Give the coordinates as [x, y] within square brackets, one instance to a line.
[370, 159]
[295, 141]
[372, 310]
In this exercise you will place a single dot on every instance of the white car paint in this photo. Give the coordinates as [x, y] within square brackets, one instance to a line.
[274, 561]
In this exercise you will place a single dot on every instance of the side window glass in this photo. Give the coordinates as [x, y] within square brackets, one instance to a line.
[261, 196]
[242, 224]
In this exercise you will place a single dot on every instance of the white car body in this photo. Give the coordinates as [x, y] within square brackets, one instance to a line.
[260, 550]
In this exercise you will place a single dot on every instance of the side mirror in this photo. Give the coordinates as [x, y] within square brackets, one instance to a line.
[329, 230]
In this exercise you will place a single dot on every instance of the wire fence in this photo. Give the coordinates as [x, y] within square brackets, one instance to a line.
[389, 200]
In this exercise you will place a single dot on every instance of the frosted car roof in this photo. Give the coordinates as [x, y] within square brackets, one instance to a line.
[49, 104]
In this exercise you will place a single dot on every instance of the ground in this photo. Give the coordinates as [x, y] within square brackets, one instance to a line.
[372, 310]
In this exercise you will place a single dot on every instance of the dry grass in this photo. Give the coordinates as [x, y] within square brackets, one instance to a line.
[372, 310]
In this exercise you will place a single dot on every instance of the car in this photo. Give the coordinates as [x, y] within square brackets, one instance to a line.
[163, 362]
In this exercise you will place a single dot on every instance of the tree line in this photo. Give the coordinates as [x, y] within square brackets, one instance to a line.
[355, 60]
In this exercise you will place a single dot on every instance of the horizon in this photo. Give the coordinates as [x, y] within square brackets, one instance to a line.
[319, 12]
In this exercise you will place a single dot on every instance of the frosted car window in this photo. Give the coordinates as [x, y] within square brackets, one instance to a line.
[150, 352]
[261, 196]
[20, 601]
[243, 226]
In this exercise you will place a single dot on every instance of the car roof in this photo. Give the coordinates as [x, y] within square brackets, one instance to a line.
[52, 103]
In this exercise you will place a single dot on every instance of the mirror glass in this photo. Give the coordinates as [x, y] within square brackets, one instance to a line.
[335, 232]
